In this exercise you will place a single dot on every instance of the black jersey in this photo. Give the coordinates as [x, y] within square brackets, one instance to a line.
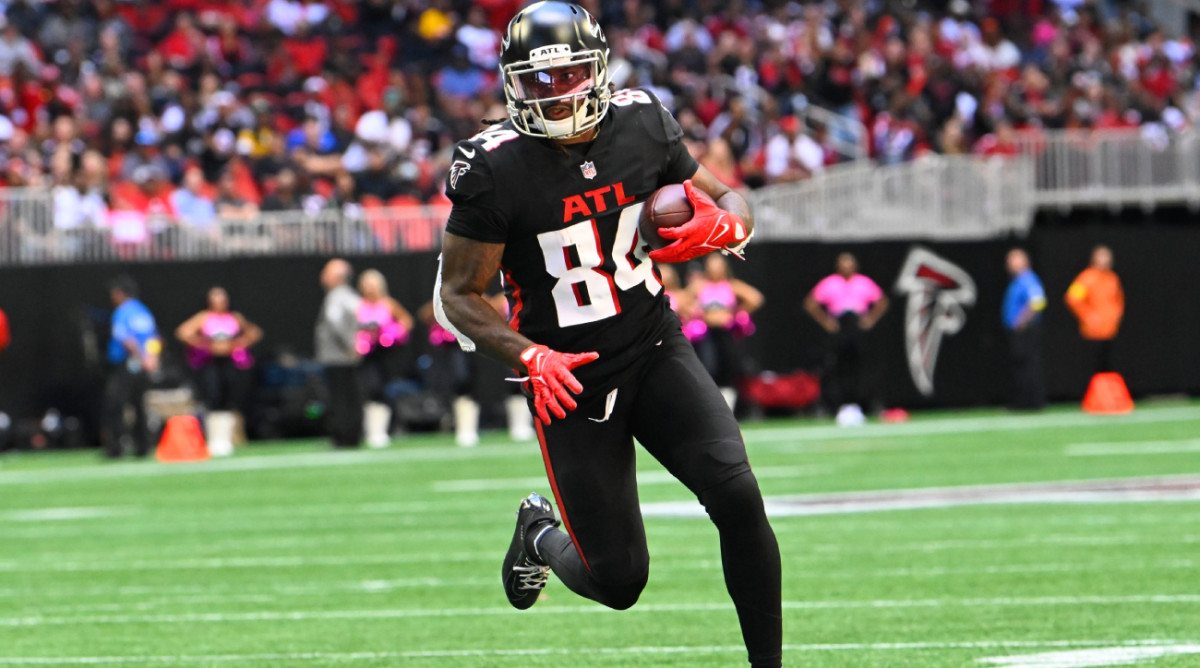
[576, 273]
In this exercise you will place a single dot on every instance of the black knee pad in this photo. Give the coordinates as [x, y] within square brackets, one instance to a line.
[735, 501]
[622, 597]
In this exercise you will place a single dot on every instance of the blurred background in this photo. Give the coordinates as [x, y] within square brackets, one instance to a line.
[187, 144]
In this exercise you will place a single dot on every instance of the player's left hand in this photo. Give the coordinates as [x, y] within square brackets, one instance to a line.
[551, 380]
[711, 228]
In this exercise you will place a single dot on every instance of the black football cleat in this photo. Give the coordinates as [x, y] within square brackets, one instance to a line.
[522, 574]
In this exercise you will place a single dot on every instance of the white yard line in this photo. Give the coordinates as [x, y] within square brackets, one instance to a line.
[174, 594]
[1089, 658]
[418, 613]
[1137, 448]
[580, 651]
[66, 514]
[263, 463]
[794, 436]
[66, 563]
[243, 562]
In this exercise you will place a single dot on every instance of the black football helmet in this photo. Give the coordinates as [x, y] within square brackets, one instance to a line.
[555, 55]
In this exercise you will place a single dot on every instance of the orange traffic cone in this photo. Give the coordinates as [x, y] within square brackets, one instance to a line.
[182, 441]
[1107, 394]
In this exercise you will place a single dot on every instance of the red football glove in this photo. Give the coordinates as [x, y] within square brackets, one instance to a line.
[550, 378]
[711, 228]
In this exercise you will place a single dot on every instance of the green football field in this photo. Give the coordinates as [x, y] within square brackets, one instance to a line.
[998, 554]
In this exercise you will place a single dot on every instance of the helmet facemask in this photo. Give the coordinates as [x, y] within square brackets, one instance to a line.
[556, 75]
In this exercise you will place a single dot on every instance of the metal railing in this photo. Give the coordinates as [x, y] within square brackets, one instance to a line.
[28, 235]
[935, 197]
[1147, 166]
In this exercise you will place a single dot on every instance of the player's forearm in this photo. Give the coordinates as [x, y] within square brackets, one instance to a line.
[734, 203]
[472, 315]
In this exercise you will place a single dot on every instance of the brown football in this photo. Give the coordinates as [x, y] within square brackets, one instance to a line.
[667, 207]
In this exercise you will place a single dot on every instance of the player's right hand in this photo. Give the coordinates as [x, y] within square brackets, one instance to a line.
[551, 380]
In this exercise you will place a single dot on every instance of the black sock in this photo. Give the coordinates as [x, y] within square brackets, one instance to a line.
[531, 540]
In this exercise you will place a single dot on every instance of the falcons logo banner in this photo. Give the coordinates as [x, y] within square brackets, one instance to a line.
[938, 292]
[457, 169]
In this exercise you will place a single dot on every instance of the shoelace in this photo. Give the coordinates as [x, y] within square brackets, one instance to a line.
[531, 576]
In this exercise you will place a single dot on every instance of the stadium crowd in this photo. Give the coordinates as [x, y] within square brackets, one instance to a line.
[188, 112]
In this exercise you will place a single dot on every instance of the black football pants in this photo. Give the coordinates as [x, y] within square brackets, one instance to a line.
[1028, 381]
[344, 416]
[125, 388]
[674, 409]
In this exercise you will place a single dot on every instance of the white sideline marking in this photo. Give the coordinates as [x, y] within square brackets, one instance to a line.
[643, 478]
[555, 651]
[1184, 487]
[1132, 448]
[61, 514]
[794, 435]
[410, 613]
[242, 562]
[262, 463]
[1085, 658]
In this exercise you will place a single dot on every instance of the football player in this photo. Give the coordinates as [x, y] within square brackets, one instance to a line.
[550, 198]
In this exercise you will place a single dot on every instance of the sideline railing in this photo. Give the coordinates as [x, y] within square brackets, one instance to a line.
[1147, 166]
[28, 235]
[934, 197]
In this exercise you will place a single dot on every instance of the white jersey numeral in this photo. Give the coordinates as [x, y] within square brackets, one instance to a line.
[584, 292]
[492, 138]
[633, 260]
[624, 98]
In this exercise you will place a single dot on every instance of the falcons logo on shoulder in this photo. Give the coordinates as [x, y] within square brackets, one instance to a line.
[457, 169]
[938, 293]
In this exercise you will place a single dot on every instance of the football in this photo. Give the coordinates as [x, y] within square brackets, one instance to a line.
[667, 207]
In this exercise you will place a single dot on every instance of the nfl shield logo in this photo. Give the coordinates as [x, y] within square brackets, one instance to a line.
[589, 169]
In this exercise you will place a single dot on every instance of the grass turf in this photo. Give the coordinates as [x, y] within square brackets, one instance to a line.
[291, 555]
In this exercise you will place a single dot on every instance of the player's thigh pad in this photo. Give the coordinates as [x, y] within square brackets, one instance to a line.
[681, 419]
[591, 467]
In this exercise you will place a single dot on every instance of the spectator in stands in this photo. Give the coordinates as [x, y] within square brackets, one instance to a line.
[1098, 302]
[192, 203]
[15, 50]
[133, 357]
[481, 41]
[218, 152]
[847, 305]
[383, 329]
[287, 195]
[218, 341]
[289, 16]
[459, 80]
[229, 204]
[735, 127]
[146, 153]
[337, 327]
[792, 155]
[1024, 302]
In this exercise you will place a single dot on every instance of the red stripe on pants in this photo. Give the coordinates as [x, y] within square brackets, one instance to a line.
[562, 510]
